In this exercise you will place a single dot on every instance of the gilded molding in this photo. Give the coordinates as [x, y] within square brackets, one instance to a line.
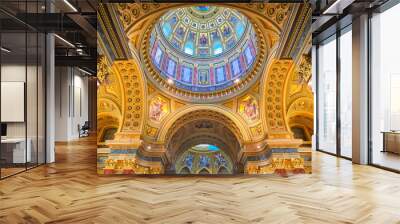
[274, 100]
[203, 97]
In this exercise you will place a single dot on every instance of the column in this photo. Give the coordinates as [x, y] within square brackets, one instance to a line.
[360, 90]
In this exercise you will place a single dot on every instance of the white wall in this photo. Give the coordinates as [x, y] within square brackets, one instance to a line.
[33, 127]
[16, 73]
[71, 102]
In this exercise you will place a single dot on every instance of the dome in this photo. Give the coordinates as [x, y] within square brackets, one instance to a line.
[203, 48]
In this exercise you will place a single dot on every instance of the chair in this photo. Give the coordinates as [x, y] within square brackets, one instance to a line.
[84, 130]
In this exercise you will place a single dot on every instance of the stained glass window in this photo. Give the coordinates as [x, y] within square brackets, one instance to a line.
[157, 58]
[220, 71]
[171, 67]
[235, 67]
[167, 30]
[189, 47]
[186, 74]
[249, 56]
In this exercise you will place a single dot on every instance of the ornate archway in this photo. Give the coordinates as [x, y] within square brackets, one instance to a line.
[199, 130]
[158, 119]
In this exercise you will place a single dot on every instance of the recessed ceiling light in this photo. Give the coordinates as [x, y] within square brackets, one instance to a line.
[70, 5]
[86, 72]
[5, 50]
[149, 147]
[64, 40]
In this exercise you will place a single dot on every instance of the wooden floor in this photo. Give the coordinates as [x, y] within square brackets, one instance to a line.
[387, 159]
[69, 191]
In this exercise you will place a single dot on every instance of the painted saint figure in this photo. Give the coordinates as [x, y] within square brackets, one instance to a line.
[220, 160]
[249, 108]
[203, 39]
[188, 161]
[204, 161]
[158, 109]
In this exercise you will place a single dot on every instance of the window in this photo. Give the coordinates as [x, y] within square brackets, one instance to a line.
[236, 67]
[189, 47]
[220, 74]
[171, 68]
[385, 89]
[327, 96]
[346, 93]
[187, 74]
[22, 75]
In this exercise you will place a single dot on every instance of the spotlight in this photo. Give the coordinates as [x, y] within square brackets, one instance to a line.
[79, 51]
[84, 71]
[170, 81]
[64, 40]
[5, 50]
[236, 81]
[70, 5]
[149, 147]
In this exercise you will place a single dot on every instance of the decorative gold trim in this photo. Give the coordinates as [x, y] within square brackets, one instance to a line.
[206, 97]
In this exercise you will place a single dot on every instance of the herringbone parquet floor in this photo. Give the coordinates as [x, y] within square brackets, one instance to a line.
[69, 191]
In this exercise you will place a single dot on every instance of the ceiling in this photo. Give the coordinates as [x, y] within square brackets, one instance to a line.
[73, 21]
[203, 48]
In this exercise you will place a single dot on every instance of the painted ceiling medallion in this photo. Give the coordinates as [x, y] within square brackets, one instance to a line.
[204, 50]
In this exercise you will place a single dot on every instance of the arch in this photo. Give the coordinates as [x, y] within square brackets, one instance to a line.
[238, 124]
[106, 104]
[223, 170]
[273, 101]
[106, 121]
[303, 106]
[227, 147]
[134, 95]
[108, 133]
[204, 171]
[185, 170]
[304, 121]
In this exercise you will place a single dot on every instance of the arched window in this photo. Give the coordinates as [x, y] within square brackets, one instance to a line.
[204, 171]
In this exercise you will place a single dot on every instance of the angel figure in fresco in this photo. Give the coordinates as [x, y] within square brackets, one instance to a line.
[157, 109]
[250, 108]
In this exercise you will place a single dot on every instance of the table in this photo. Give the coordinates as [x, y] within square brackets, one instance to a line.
[13, 150]
[391, 141]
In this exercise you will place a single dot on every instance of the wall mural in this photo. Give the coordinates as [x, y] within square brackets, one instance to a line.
[248, 107]
[203, 89]
[204, 159]
[159, 107]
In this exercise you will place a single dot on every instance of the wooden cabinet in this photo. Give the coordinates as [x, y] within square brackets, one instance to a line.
[391, 142]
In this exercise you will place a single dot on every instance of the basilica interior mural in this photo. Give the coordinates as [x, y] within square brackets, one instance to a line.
[204, 89]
